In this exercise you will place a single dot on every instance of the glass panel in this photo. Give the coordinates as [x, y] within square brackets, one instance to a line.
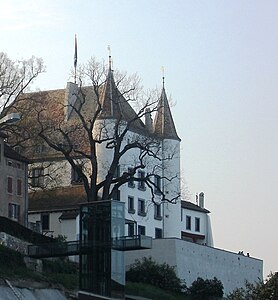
[101, 268]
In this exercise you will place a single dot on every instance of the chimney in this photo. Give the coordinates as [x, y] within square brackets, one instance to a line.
[202, 200]
[70, 98]
[148, 120]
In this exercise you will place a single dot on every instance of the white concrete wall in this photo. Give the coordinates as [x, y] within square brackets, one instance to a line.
[170, 224]
[68, 229]
[192, 261]
[171, 170]
[205, 225]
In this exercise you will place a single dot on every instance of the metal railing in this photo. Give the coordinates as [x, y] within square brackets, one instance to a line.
[125, 243]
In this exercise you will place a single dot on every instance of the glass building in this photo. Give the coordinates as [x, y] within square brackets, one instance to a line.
[102, 269]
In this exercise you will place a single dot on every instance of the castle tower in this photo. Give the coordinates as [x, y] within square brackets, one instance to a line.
[165, 129]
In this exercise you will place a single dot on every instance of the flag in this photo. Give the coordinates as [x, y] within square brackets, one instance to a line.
[75, 53]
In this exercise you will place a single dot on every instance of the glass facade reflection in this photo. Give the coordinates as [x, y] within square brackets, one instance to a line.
[102, 270]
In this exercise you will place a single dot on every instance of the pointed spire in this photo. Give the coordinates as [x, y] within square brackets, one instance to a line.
[110, 93]
[75, 57]
[164, 125]
[110, 58]
[113, 103]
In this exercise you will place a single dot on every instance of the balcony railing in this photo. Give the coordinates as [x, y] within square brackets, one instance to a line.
[125, 243]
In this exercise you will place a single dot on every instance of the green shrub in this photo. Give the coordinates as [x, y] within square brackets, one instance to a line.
[59, 266]
[10, 258]
[160, 275]
[206, 289]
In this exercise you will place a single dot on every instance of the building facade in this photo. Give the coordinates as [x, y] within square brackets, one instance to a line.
[13, 183]
[152, 207]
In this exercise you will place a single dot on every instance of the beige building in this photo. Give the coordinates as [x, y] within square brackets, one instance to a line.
[13, 183]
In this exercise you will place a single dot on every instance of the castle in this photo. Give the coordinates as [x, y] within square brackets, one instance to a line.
[89, 143]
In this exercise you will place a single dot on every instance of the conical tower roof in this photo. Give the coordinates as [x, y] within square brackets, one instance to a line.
[164, 125]
[115, 106]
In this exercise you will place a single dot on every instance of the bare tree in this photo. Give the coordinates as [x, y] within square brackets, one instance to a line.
[94, 127]
[15, 78]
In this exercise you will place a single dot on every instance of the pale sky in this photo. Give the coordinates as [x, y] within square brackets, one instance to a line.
[221, 69]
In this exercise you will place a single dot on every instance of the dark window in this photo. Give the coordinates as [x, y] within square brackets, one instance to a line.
[141, 230]
[131, 208]
[130, 229]
[19, 187]
[14, 211]
[141, 183]
[158, 233]
[131, 180]
[45, 222]
[10, 185]
[75, 177]
[117, 172]
[157, 212]
[197, 224]
[188, 222]
[141, 207]
[157, 184]
[37, 177]
[18, 149]
[116, 195]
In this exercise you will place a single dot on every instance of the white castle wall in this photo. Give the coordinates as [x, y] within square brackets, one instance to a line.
[171, 170]
[192, 261]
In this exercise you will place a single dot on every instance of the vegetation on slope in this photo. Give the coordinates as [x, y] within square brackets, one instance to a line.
[58, 272]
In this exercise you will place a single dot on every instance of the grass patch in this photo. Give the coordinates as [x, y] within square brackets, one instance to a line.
[152, 292]
[57, 272]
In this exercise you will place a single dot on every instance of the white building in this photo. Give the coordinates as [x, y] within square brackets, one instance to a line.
[146, 213]
[182, 229]
[196, 226]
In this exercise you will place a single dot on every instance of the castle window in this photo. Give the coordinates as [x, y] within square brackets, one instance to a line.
[141, 183]
[131, 208]
[157, 212]
[188, 222]
[117, 172]
[116, 195]
[141, 230]
[197, 224]
[130, 229]
[157, 184]
[141, 207]
[131, 180]
[158, 233]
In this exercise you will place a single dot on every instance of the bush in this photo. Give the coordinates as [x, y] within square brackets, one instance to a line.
[257, 290]
[206, 289]
[59, 266]
[10, 258]
[160, 275]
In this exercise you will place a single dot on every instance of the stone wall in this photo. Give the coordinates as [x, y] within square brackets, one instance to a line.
[14, 243]
[192, 261]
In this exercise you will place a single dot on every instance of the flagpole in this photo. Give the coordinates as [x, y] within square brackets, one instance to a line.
[75, 58]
